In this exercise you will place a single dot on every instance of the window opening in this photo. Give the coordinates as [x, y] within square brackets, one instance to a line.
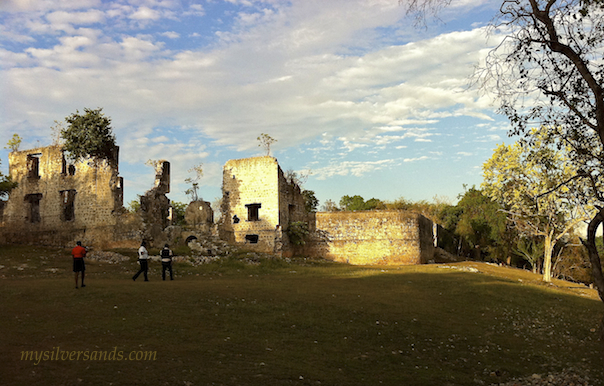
[68, 199]
[252, 239]
[252, 212]
[33, 165]
[34, 207]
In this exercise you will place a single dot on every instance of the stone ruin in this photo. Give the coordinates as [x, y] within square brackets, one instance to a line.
[155, 205]
[58, 202]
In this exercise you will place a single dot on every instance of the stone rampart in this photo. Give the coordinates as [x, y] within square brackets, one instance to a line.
[372, 237]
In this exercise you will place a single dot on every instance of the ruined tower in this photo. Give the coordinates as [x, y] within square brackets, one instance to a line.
[258, 205]
[58, 201]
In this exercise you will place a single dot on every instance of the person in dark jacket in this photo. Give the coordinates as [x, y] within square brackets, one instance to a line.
[166, 262]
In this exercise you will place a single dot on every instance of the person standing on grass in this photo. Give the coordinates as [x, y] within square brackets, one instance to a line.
[166, 262]
[143, 260]
[78, 253]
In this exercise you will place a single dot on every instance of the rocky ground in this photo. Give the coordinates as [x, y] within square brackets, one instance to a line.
[564, 378]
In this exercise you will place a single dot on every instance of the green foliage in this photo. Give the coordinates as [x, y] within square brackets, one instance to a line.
[198, 173]
[265, 142]
[310, 201]
[89, 135]
[481, 222]
[539, 189]
[14, 143]
[297, 231]
[531, 250]
[358, 203]
[352, 203]
[6, 185]
[178, 212]
[134, 206]
[432, 210]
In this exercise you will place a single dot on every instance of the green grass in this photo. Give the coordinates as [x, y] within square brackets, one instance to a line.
[300, 323]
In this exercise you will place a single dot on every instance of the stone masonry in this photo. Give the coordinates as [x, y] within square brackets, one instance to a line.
[258, 205]
[58, 201]
[372, 237]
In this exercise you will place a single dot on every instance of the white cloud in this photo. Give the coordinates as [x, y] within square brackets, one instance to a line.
[145, 13]
[422, 158]
[171, 34]
[300, 71]
[354, 168]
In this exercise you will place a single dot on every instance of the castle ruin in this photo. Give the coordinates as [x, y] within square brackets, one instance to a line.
[57, 202]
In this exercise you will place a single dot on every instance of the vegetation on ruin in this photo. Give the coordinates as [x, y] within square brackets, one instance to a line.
[265, 142]
[6, 185]
[14, 143]
[178, 212]
[298, 232]
[89, 135]
[197, 171]
[296, 321]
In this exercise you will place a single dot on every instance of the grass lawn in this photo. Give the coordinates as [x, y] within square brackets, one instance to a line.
[301, 323]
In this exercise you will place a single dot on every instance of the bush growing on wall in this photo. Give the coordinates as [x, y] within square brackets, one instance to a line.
[297, 232]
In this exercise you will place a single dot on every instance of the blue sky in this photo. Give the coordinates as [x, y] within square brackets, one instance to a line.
[351, 90]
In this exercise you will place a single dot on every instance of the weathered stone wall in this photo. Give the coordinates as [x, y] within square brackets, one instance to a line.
[155, 206]
[250, 202]
[199, 214]
[372, 237]
[57, 202]
[258, 204]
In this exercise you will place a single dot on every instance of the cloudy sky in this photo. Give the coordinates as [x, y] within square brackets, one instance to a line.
[352, 91]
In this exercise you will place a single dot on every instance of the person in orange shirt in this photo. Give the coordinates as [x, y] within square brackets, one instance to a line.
[78, 253]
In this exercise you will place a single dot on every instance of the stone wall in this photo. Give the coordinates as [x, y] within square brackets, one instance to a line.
[372, 237]
[58, 201]
[258, 204]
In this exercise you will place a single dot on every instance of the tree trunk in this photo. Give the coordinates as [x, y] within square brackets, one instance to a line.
[594, 257]
[547, 258]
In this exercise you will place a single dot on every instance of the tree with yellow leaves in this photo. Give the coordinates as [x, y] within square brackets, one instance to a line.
[539, 190]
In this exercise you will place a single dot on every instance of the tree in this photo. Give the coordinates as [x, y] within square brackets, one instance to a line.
[14, 143]
[310, 201]
[329, 206]
[374, 203]
[538, 190]
[480, 222]
[549, 72]
[265, 142]
[178, 212]
[192, 191]
[6, 186]
[352, 203]
[89, 135]
[296, 178]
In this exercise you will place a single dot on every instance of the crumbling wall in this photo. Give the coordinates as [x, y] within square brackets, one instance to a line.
[372, 237]
[199, 215]
[258, 205]
[155, 205]
[58, 201]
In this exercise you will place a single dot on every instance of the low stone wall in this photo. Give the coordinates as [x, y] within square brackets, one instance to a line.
[372, 237]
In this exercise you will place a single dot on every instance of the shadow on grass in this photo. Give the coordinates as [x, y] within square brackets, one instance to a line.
[303, 323]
